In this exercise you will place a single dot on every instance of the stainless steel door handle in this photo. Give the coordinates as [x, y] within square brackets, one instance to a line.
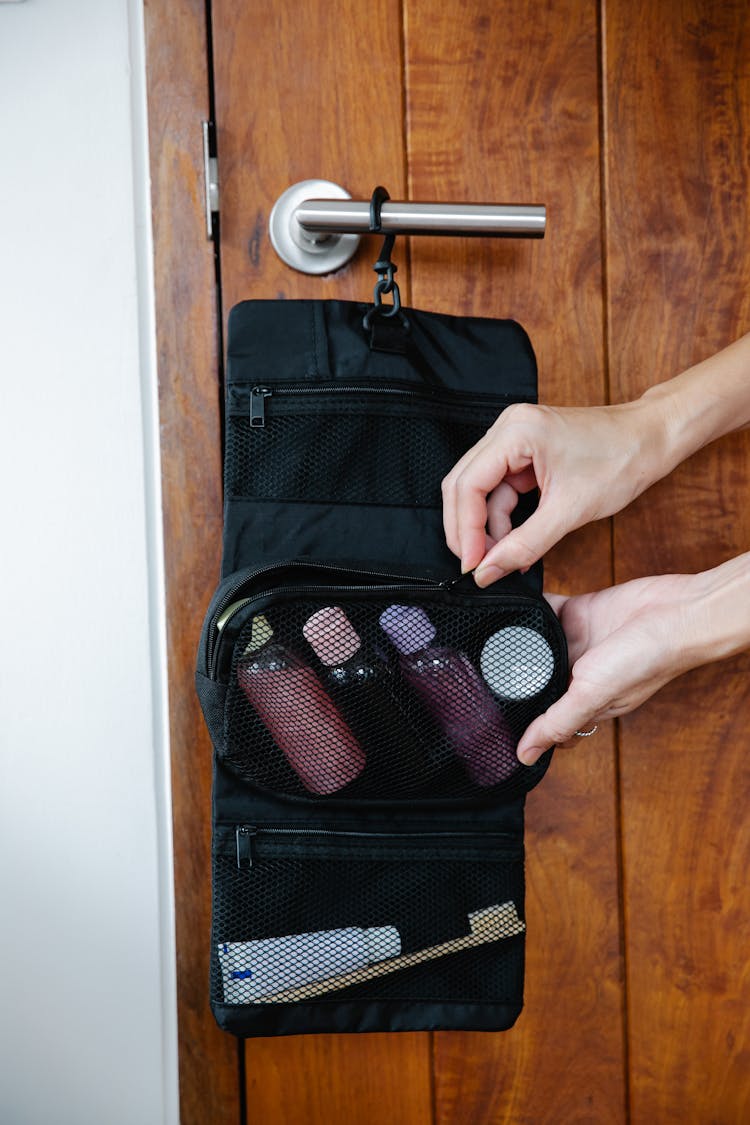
[315, 224]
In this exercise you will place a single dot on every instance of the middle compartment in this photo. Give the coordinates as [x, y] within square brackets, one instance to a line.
[343, 686]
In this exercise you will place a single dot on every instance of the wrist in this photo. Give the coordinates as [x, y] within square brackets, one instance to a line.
[672, 416]
[648, 423]
[716, 613]
[703, 403]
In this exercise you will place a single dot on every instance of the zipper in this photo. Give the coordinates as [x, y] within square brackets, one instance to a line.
[230, 604]
[259, 394]
[247, 837]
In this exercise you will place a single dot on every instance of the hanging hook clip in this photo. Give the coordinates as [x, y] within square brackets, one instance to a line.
[385, 268]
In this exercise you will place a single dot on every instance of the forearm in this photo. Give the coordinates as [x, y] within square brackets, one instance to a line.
[650, 436]
[701, 404]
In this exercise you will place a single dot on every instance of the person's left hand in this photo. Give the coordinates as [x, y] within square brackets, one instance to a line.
[624, 644]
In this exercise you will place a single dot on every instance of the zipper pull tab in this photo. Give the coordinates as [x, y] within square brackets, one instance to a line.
[258, 396]
[244, 841]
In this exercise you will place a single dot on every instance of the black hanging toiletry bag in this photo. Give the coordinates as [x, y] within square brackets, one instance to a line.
[365, 701]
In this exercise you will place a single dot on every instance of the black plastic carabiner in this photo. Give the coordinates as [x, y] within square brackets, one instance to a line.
[385, 268]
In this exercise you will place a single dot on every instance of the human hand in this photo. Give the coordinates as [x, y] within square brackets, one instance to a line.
[587, 462]
[624, 643]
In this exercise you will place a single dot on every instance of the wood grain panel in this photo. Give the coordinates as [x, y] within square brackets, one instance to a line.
[503, 105]
[340, 1080]
[678, 115]
[189, 418]
[302, 93]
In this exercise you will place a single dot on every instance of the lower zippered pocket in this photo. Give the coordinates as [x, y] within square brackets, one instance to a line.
[303, 915]
[336, 685]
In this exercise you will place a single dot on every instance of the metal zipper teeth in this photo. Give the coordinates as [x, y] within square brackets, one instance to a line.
[353, 388]
[404, 582]
[235, 607]
[245, 834]
[259, 394]
[338, 388]
[293, 563]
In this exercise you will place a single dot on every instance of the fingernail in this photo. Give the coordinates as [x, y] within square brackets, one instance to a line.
[486, 575]
[529, 754]
[464, 568]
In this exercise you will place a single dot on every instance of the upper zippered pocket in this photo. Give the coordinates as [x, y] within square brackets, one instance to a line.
[343, 685]
[283, 394]
[307, 442]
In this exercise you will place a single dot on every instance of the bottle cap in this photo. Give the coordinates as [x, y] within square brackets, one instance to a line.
[382, 942]
[517, 662]
[260, 633]
[332, 636]
[408, 627]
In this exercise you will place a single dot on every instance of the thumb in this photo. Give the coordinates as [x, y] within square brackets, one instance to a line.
[573, 711]
[523, 546]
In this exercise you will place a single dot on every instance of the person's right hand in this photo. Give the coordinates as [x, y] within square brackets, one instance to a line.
[587, 462]
[624, 644]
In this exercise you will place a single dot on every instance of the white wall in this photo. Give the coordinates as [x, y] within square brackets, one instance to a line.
[87, 1021]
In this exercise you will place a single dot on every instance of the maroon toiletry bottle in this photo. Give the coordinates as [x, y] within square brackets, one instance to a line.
[303, 720]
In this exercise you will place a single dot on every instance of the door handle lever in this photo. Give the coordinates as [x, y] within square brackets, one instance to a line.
[315, 224]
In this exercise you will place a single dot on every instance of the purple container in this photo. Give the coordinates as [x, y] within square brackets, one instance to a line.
[455, 694]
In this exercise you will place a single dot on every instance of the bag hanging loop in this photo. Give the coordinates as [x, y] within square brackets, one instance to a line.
[385, 268]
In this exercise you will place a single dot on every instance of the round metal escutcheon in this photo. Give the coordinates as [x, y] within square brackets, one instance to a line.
[304, 250]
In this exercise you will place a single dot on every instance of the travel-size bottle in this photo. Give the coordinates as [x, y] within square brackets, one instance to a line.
[302, 718]
[455, 693]
[369, 693]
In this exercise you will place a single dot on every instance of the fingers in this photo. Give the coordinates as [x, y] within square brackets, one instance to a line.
[450, 504]
[496, 464]
[482, 490]
[475, 543]
[472, 510]
[501, 503]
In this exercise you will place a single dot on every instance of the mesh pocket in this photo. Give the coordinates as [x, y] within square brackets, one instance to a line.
[357, 698]
[336, 916]
[322, 457]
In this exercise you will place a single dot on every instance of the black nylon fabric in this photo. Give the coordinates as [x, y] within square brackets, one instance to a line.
[348, 1016]
[319, 340]
[448, 361]
[335, 450]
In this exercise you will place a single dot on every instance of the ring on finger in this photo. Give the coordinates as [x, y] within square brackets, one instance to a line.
[586, 733]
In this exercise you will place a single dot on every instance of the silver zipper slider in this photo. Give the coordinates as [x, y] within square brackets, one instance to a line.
[244, 843]
[258, 396]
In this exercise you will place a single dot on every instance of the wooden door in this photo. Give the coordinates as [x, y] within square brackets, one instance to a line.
[638, 919]
[678, 239]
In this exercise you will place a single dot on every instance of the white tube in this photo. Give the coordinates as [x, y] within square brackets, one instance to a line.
[254, 969]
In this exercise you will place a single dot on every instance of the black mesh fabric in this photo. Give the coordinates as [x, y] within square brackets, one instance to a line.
[401, 920]
[318, 456]
[387, 698]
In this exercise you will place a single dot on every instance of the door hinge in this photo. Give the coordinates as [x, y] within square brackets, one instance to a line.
[211, 177]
